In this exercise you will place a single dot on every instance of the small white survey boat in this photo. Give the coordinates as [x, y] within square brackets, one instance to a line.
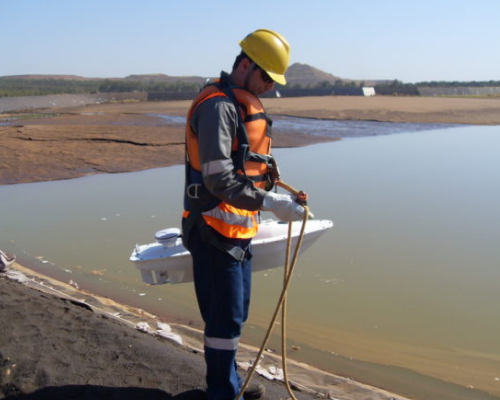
[168, 261]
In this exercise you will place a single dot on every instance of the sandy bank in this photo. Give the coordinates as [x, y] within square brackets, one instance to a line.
[57, 342]
[81, 140]
[448, 110]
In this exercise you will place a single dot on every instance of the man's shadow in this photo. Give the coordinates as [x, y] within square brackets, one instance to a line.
[93, 392]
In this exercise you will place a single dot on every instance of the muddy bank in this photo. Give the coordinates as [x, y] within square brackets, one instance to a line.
[78, 141]
[447, 110]
[70, 141]
[10, 104]
[67, 343]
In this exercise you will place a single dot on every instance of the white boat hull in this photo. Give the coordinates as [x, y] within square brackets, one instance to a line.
[160, 264]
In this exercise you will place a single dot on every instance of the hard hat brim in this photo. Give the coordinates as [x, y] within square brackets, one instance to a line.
[278, 78]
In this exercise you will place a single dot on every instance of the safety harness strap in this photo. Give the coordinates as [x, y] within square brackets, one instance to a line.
[255, 117]
[241, 132]
[206, 233]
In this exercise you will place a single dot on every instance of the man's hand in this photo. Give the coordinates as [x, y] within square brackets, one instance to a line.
[302, 198]
[284, 206]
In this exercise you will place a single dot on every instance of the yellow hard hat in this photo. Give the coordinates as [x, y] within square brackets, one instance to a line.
[270, 51]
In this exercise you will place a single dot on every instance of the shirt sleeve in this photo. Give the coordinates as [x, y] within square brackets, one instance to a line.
[214, 123]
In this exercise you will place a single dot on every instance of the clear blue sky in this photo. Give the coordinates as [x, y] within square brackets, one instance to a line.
[355, 39]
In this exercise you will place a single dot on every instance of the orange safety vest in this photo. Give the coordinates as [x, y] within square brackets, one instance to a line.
[230, 221]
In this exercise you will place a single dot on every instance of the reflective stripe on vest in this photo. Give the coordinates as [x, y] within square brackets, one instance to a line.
[230, 221]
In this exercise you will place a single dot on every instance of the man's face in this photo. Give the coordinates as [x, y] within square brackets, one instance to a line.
[258, 81]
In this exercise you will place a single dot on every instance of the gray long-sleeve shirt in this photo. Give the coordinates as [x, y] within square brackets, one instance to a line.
[214, 123]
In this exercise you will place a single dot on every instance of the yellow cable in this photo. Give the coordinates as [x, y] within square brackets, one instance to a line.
[288, 271]
[283, 310]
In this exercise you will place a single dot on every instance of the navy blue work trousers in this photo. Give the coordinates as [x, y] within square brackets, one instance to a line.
[222, 286]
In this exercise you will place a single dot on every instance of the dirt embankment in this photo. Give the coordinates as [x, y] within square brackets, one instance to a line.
[68, 142]
[448, 110]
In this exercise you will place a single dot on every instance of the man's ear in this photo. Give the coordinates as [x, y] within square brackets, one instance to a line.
[245, 65]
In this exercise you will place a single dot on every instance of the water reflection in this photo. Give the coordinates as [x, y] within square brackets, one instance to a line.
[344, 129]
[332, 128]
[173, 119]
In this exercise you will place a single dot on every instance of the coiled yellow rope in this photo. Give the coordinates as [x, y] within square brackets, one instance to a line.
[288, 272]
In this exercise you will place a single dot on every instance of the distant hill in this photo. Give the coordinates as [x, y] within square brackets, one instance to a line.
[297, 74]
[137, 78]
[53, 77]
[305, 75]
[301, 74]
[166, 78]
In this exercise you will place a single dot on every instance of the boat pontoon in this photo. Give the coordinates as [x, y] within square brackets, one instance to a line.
[167, 260]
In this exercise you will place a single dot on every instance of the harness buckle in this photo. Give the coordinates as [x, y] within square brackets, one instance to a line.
[193, 190]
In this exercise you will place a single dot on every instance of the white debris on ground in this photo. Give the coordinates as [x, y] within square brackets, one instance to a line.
[162, 330]
[144, 327]
[74, 284]
[15, 275]
[6, 260]
[271, 372]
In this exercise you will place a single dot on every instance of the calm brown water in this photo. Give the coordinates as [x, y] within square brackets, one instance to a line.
[401, 293]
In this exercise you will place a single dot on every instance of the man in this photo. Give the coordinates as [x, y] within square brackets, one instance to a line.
[229, 175]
